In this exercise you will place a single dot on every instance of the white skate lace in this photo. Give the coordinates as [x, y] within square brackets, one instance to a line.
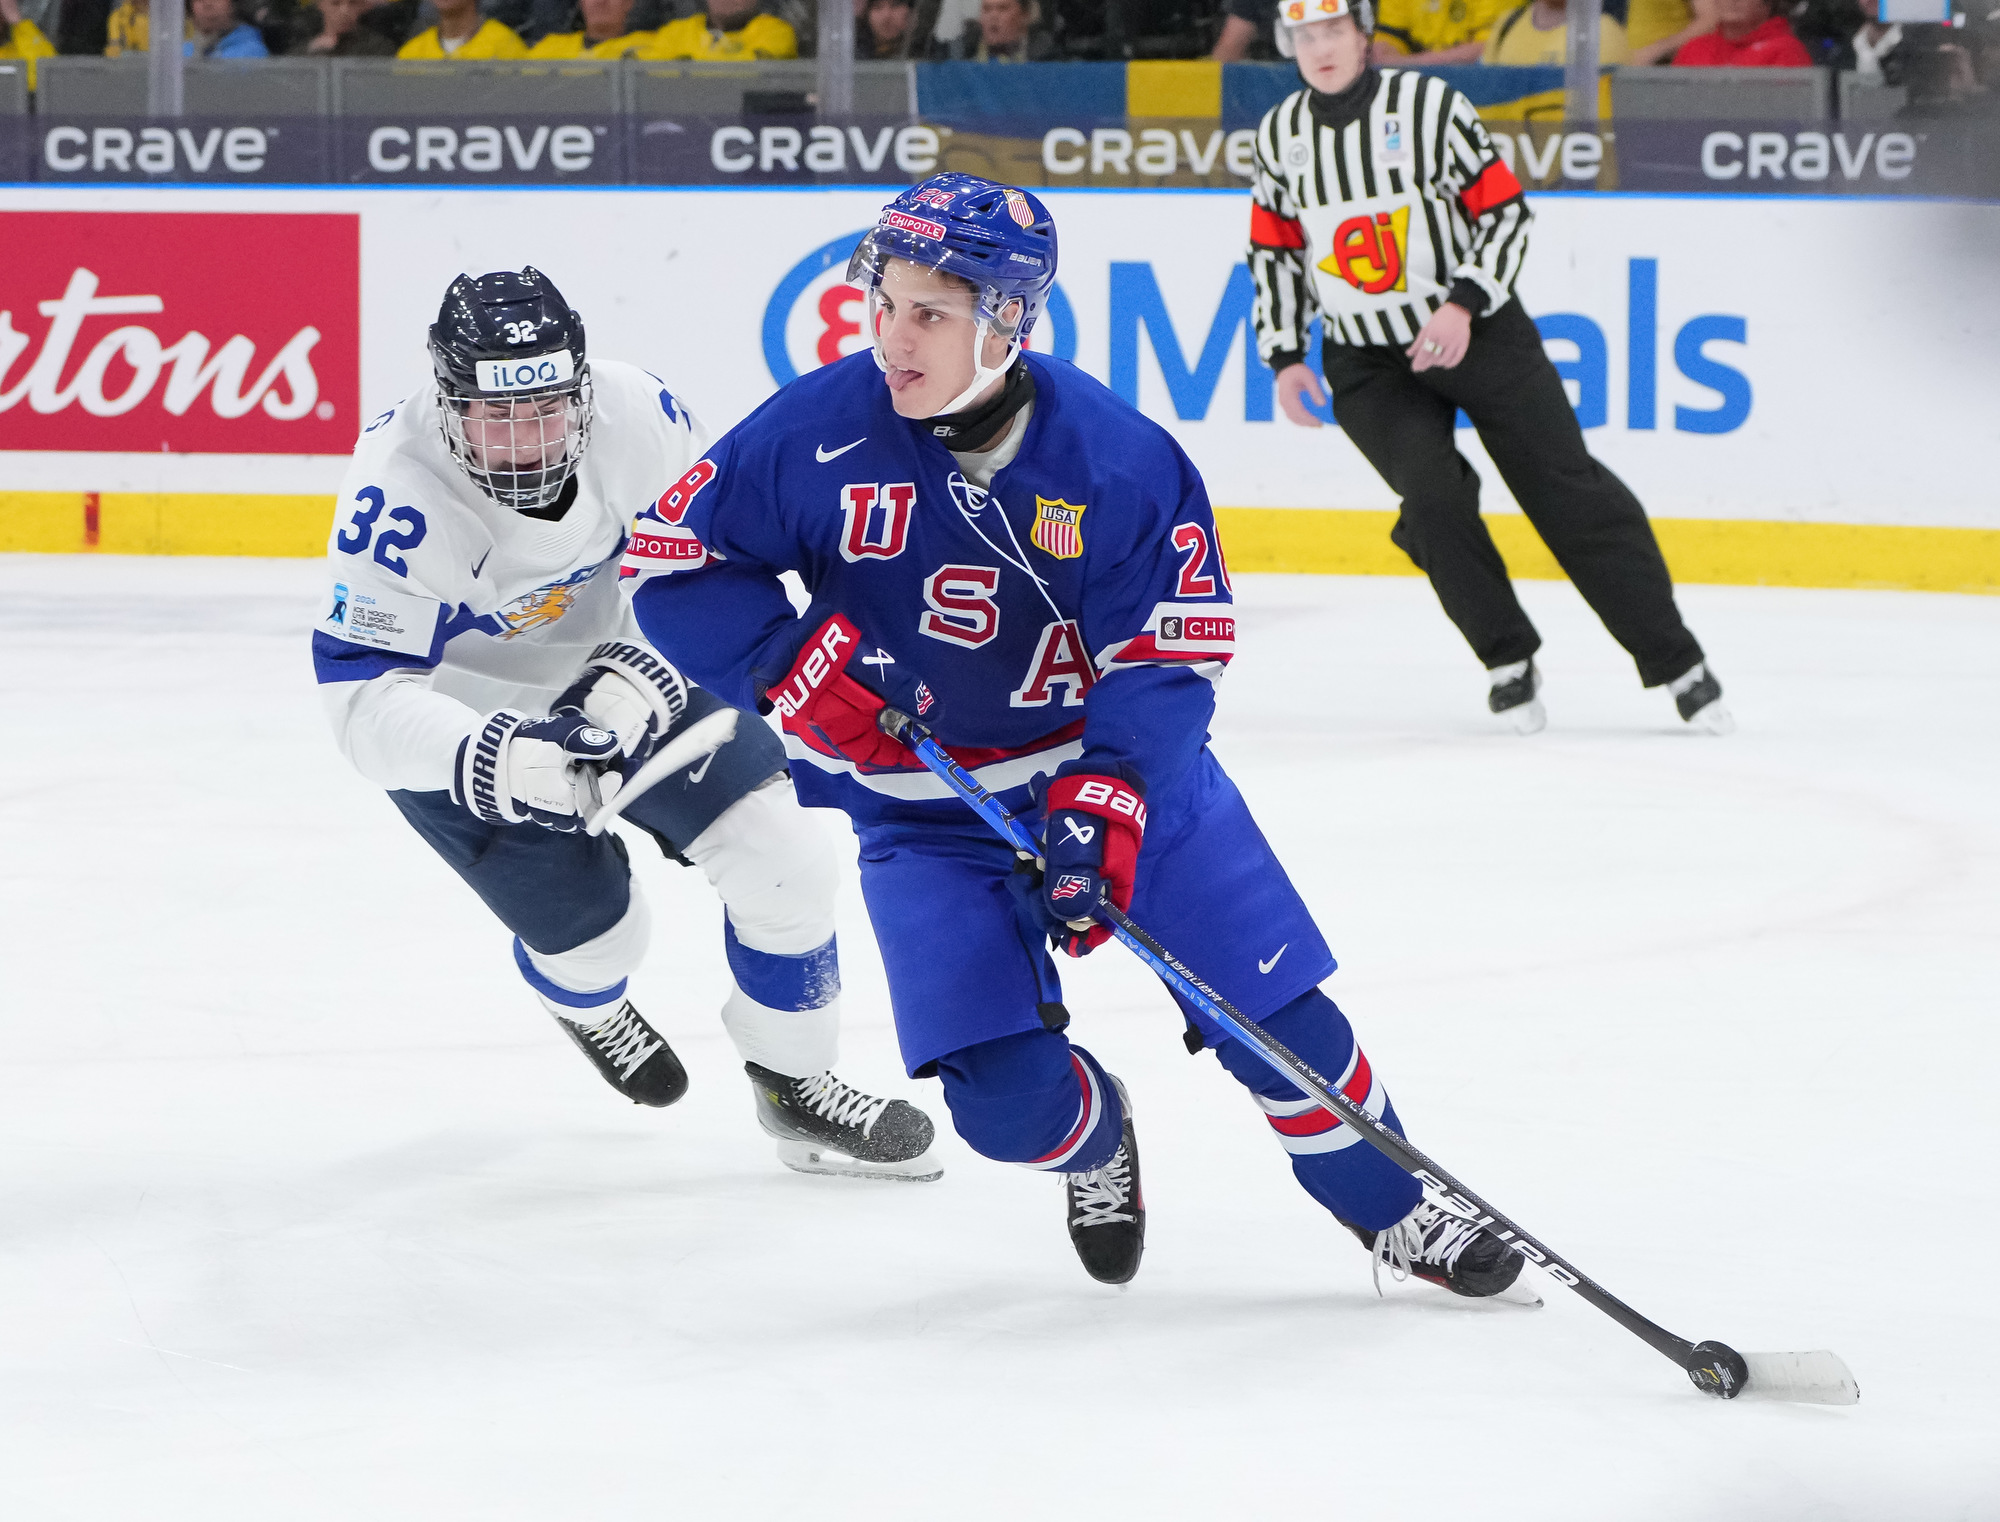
[625, 1040]
[1426, 1235]
[828, 1097]
[1100, 1196]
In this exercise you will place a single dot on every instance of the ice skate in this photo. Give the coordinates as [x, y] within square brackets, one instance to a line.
[633, 1057]
[1107, 1211]
[1449, 1252]
[1513, 696]
[823, 1126]
[1698, 696]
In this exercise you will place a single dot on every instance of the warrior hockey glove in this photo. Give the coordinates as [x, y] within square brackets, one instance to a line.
[1090, 851]
[513, 769]
[831, 710]
[631, 691]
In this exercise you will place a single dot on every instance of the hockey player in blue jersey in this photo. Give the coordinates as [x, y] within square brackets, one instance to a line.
[998, 544]
[477, 661]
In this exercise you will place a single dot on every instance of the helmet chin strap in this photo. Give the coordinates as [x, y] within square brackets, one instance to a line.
[982, 375]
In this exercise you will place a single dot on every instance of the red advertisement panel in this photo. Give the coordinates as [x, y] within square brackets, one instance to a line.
[190, 332]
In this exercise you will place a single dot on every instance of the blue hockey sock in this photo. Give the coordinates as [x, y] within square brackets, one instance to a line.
[1034, 1099]
[810, 980]
[1337, 1168]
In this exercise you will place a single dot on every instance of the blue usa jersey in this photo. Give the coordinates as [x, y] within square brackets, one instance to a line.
[1077, 612]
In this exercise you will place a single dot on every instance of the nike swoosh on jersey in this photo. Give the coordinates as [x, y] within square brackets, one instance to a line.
[1267, 966]
[696, 773]
[823, 454]
[482, 562]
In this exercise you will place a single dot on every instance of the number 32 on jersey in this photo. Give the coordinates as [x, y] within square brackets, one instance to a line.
[360, 530]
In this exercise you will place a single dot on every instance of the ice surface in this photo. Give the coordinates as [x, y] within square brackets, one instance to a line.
[308, 1212]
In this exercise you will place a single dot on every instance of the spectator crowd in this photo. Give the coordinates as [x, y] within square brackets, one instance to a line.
[1956, 61]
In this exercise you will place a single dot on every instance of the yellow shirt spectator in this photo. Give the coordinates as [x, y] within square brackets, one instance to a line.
[1523, 39]
[492, 40]
[691, 37]
[26, 42]
[1650, 20]
[572, 45]
[129, 31]
[1431, 26]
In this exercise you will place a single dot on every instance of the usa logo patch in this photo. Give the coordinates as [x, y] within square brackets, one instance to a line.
[1068, 886]
[1058, 528]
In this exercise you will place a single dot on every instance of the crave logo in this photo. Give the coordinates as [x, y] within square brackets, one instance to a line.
[815, 317]
[189, 332]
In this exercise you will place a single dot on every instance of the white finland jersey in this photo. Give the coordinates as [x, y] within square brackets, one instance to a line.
[443, 605]
[1375, 222]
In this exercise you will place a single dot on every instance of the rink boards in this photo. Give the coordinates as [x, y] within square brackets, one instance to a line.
[1799, 389]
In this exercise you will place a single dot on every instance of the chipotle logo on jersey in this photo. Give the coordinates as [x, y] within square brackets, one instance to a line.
[196, 332]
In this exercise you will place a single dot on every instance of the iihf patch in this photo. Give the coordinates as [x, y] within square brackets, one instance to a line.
[381, 620]
[1068, 886]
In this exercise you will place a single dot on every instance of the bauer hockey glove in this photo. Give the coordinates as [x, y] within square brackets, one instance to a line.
[513, 769]
[822, 704]
[632, 691]
[1093, 828]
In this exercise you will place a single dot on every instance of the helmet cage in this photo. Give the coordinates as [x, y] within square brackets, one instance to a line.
[1011, 314]
[519, 427]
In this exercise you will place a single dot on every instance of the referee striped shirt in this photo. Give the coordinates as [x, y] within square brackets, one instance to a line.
[1376, 221]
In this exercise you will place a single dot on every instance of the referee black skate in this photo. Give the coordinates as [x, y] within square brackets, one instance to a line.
[1381, 203]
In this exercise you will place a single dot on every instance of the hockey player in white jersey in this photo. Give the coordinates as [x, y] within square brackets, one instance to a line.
[477, 661]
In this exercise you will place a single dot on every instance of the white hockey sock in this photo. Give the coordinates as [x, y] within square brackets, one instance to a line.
[587, 982]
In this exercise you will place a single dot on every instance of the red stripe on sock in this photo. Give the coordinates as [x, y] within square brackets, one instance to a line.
[1316, 1122]
[1083, 1125]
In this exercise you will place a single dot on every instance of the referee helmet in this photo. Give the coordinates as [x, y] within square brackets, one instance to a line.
[1293, 13]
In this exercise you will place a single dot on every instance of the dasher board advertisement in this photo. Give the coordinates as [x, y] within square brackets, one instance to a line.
[1800, 359]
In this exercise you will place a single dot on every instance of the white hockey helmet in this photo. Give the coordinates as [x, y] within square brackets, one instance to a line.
[1294, 13]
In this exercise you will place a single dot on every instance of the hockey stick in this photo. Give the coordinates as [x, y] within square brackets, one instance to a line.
[704, 737]
[1713, 1367]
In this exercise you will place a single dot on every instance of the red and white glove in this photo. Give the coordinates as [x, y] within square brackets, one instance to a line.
[819, 702]
[1090, 848]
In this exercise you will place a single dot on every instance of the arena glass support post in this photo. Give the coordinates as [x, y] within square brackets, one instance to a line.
[166, 68]
[1580, 62]
[836, 58]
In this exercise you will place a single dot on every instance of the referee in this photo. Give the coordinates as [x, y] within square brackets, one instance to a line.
[1380, 203]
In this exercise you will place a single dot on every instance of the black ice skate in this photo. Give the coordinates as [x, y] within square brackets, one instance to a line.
[1107, 1211]
[823, 1126]
[633, 1057]
[1698, 696]
[1513, 696]
[1451, 1253]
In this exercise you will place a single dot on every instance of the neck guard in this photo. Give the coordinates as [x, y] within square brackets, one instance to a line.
[974, 427]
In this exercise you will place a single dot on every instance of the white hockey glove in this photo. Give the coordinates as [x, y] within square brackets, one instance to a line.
[513, 769]
[631, 691]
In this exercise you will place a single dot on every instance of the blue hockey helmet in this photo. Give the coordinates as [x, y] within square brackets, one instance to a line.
[999, 239]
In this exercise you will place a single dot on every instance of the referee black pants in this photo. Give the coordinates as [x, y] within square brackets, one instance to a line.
[1402, 421]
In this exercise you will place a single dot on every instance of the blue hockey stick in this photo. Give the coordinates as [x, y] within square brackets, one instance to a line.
[1715, 1368]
